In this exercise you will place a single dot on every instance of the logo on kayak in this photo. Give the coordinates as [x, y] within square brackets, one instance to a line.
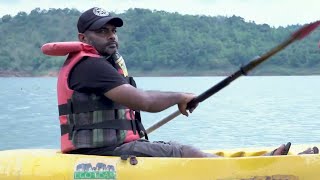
[94, 169]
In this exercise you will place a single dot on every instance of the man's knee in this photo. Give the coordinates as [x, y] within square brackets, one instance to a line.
[192, 152]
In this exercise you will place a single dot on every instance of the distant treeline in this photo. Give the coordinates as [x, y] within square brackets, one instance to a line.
[160, 43]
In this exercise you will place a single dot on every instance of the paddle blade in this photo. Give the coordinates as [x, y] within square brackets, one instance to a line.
[306, 30]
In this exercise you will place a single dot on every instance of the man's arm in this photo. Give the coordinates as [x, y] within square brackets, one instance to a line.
[150, 101]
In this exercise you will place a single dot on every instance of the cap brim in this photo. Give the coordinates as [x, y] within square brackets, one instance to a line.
[101, 22]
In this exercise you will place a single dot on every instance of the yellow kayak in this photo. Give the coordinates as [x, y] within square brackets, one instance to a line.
[50, 164]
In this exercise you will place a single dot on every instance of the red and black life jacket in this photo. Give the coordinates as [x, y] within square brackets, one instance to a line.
[91, 120]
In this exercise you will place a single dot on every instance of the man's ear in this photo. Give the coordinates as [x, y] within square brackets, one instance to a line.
[82, 37]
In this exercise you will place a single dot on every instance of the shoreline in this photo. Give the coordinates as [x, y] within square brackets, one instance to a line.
[165, 74]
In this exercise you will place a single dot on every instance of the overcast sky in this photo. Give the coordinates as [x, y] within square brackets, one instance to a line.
[273, 12]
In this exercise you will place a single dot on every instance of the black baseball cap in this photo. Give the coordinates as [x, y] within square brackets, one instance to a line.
[95, 18]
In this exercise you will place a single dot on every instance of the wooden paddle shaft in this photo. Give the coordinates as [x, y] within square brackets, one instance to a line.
[163, 121]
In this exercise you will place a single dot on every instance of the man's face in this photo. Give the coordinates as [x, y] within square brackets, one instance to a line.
[104, 40]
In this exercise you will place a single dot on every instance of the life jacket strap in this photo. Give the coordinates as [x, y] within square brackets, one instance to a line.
[131, 81]
[142, 131]
[86, 106]
[120, 124]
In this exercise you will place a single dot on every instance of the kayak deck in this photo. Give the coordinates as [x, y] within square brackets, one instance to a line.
[45, 164]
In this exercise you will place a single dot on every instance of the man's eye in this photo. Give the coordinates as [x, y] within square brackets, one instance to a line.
[101, 31]
[105, 31]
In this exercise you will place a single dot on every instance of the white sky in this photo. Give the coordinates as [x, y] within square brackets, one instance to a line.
[273, 12]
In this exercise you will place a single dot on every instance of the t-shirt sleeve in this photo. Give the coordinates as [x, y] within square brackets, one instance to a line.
[95, 75]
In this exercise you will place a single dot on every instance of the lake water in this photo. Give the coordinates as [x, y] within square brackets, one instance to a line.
[250, 112]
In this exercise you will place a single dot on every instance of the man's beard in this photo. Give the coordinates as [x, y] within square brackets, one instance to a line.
[105, 49]
[109, 50]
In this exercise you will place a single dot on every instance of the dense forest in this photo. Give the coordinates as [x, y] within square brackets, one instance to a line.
[156, 43]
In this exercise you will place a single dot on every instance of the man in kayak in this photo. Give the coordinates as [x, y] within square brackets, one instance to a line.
[99, 104]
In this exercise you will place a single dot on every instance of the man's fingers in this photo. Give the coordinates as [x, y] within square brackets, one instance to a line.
[193, 108]
[184, 112]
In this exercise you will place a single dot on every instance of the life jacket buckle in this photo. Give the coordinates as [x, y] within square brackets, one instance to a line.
[141, 133]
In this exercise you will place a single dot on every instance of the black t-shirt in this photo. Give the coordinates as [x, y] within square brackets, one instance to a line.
[94, 75]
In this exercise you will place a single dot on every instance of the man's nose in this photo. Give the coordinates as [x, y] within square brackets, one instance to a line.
[112, 36]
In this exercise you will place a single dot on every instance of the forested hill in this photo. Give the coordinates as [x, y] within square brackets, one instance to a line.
[160, 43]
